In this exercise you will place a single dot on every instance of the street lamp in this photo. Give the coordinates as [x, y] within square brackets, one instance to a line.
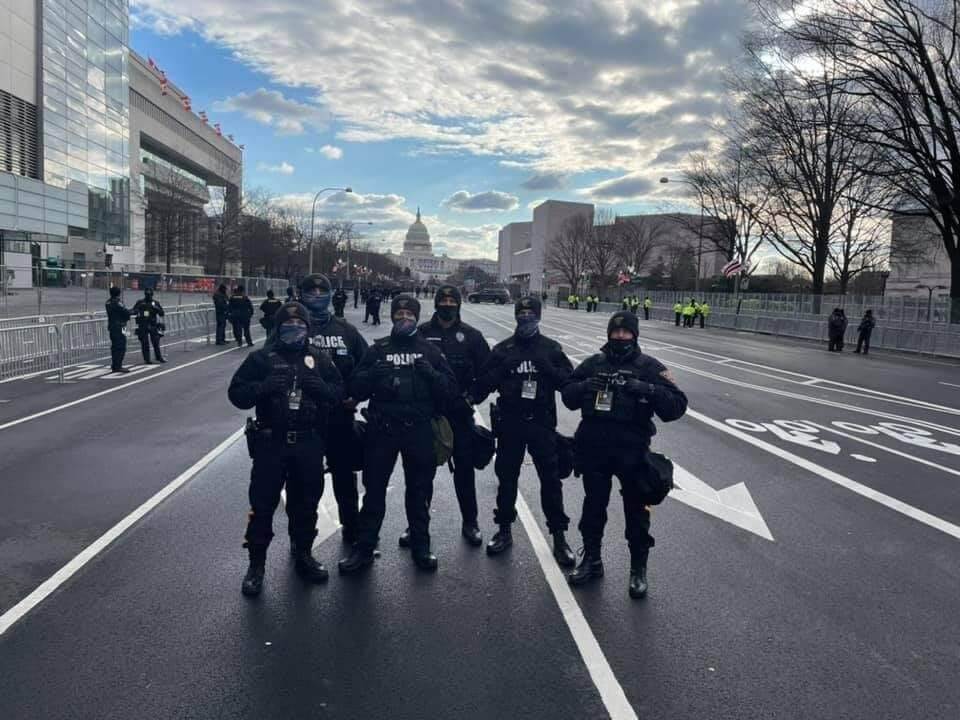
[313, 212]
[663, 181]
[930, 289]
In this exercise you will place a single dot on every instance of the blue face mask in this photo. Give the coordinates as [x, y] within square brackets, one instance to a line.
[293, 336]
[404, 328]
[318, 305]
[527, 326]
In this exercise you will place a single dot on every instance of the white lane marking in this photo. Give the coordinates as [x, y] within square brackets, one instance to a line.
[863, 458]
[733, 504]
[892, 503]
[18, 611]
[899, 453]
[950, 384]
[814, 381]
[135, 370]
[327, 522]
[79, 401]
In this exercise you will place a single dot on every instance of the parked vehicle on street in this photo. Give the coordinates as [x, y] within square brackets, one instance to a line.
[494, 295]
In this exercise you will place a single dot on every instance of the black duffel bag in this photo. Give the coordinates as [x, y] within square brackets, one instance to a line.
[565, 451]
[655, 478]
[484, 446]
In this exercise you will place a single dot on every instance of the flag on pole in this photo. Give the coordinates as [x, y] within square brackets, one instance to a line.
[732, 268]
[216, 126]
[203, 116]
[186, 102]
[151, 63]
[163, 83]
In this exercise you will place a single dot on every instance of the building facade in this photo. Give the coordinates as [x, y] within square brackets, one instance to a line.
[917, 257]
[424, 266]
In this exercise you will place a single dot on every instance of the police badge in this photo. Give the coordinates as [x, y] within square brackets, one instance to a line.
[460, 337]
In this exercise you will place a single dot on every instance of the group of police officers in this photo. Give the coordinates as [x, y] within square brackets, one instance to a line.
[148, 315]
[422, 382]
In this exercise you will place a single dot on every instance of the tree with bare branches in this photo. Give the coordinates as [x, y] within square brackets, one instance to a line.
[569, 253]
[603, 251]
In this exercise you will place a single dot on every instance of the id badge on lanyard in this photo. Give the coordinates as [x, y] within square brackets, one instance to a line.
[604, 401]
[294, 397]
[528, 390]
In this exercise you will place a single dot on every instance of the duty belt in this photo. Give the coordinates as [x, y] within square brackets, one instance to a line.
[288, 437]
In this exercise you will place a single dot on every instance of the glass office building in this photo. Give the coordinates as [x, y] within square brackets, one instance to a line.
[85, 109]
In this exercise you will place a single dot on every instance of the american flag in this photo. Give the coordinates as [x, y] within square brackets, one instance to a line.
[203, 116]
[216, 126]
[732, 268]
[622, 278]
[163, 83]
[186, 102]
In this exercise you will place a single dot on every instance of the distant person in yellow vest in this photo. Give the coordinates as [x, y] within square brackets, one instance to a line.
[647, 304]
[704, 313]
[570, 298]
[688, 314]
[625, 305]
[678, 312]
[634, 304]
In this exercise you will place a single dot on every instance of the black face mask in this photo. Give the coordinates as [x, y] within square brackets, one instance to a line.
[447, 313]
[621, 348]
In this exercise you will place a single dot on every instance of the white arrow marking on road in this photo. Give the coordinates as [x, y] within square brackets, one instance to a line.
[733, 504]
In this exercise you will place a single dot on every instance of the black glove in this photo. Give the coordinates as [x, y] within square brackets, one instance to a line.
[639, 388]
[596, 384]
[277, 382]
[424, 368]
[314, 386]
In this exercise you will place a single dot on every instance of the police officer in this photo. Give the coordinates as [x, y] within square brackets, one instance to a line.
[408, 383]
[373, 306]
[269, 308]
[356, 295]
[339, 302]
[221, 305]
[117, 318]
[647, 304]
[148, 313]
[241, 312]
[678, 312]
[618, 392]
[292, 385]
[346, 347]
[527, 370]
[466, 351]
[704, 313]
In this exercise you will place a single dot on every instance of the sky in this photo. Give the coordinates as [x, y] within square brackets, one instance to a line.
[473, 110]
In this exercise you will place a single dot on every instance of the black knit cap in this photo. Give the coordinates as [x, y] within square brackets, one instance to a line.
[624, 319]
[405, 302]
[529, 302]
[290, 311]
[446, 291]
[315, 282]
[114, 291]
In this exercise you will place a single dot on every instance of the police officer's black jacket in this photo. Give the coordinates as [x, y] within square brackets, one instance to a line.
[269, 306]
[395, 388]
[514, 361]
[341, 341]
[466, 352]
[630, 418]
[339, 298]
[147, 312]
[247, 388]
[220, 303]
[240, 307]
[117, 314]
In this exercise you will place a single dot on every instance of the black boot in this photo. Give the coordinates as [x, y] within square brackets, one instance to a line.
[358, 559]
[424, 559]
[309, 568]
[501, 541]
[638, 582]
[562, 552]
[590, 567]
[471, 533]
[253, 580]
[404, 539]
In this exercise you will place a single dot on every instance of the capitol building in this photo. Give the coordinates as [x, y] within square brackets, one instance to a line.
[417, 255]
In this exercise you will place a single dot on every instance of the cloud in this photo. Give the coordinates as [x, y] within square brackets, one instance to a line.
[621, 189]
[283, 168]
[545, 181]
[463, 201]
[561, 88]
[270, 107]
[331, 153]
[673, 154]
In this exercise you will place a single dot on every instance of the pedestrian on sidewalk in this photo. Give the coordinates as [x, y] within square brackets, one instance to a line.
[864, 330]
[836, 328]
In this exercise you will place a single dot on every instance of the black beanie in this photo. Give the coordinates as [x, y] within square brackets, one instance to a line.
[529, 303]
[624, 319]
[446, 291]
[289, 311]
[315, 282]
[114, 292]
[405, 302]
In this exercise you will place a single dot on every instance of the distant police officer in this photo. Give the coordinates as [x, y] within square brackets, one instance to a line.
[704, 314]
[292, 385]
[241, 312]
[678, 312]
[339, 302]
[148, 313]
[117, 318]
[346, 347]
[527, 370]
[221, 308]
[269, 308]
[618, 392]
[466, 352]
[356, 295]
[373, 306]
[408, 383]
[647, 304]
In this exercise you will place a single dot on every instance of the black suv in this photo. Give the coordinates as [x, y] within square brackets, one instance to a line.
[494, 295]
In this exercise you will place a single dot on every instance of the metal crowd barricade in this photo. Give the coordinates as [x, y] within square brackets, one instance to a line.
[82, 339]
[29, 350]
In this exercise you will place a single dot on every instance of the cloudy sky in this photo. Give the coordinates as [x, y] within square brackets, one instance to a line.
[475, 110]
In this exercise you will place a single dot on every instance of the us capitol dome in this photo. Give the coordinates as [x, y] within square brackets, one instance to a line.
[417, 242]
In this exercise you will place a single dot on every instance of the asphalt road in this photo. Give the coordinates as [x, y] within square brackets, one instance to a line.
[808, 565]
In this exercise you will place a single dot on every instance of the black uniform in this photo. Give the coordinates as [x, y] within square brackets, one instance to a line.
[408, 382]
[292, 392]
[527, 373]
[373, 307]
[148, 313]
[221, 305]
[466, 351]
[241, 312]
[356, 296]
[614, 437]
[269, 308]
[864, 331]
[339, 302]
[117, 318]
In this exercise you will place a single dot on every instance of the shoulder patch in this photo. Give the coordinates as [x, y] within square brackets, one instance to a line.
[668, 376]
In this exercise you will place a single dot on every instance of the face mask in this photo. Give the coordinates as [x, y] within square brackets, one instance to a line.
[404, 328]
[447, 313]
[527, 326]
[292, 337]
[620, 347]
[318, 305]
